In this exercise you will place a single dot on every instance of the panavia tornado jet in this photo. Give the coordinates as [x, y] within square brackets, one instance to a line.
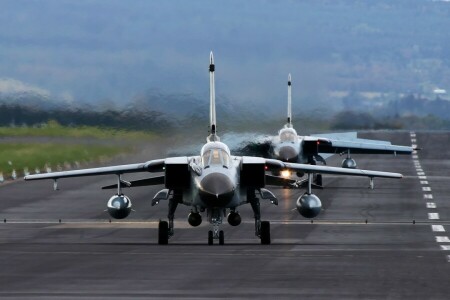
[288, 146]
[214, 183]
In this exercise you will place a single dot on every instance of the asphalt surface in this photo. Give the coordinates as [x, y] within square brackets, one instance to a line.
[338, 256]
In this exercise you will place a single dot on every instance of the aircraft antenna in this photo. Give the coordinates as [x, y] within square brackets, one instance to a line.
[289, 112]
[212, 99]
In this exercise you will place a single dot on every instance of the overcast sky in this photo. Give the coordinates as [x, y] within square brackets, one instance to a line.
[114, 49]
[94, 50]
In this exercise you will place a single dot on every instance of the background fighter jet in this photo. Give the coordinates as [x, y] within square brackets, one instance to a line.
[214, 182]
[288, 146]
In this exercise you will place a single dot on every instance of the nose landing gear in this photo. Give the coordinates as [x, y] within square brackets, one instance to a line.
[216, 234]
[215, 218]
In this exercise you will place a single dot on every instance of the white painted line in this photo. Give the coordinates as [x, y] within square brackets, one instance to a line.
[433, 216]
[423, 182]
[422, 177]
[415, 156]
[421, 173]
[442, 239]
[437, 228]
[417, 165]
[413, 140]
[428, 196]
[426, 189]
[414, 146]
[431, 205]
[414, 152]
[419, 170]
[445, 247]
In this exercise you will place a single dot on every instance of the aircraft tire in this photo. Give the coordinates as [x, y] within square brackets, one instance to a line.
[210, 237]
[163, 233]
[265, 233]
[221, 238]
[318, 180]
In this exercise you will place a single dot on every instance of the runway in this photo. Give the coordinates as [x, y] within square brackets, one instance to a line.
[387, 243]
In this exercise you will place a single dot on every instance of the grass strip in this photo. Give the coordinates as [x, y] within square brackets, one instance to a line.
[53, 129]
[22, 155]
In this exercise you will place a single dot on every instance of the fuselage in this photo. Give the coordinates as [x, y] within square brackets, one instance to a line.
[287, 146]
[215, 177]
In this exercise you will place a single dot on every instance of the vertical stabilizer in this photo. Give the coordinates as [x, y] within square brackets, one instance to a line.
[289, 110]
[212, 98]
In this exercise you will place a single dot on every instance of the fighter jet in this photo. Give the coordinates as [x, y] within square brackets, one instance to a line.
[288, 146]
[214, 182]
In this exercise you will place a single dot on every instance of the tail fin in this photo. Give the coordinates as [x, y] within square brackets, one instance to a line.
[289, 110]
[212, 98]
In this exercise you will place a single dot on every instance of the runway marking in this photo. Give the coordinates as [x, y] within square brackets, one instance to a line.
[433, 216]
[431, 205]
[442, 239]
[54, 224]
[414, 146]
[438, 228]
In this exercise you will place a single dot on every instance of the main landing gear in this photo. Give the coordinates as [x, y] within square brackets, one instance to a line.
[262, 228]
[166, 229]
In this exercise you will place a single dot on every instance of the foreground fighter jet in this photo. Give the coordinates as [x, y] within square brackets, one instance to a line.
[214, 181]
[288, 146]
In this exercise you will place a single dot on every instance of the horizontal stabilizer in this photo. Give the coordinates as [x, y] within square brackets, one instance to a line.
[280, 181]
[141, 182]
[273, 164]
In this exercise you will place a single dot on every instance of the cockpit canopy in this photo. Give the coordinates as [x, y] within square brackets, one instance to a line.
[288, 135]
[215, 153]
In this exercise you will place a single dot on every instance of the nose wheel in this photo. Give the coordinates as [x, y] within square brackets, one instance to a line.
[213, 235]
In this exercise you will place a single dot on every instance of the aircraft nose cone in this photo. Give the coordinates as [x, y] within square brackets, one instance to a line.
[288, 153]
[216, 190]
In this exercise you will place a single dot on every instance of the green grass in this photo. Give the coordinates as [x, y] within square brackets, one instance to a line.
[22, 155]
[53, 129]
